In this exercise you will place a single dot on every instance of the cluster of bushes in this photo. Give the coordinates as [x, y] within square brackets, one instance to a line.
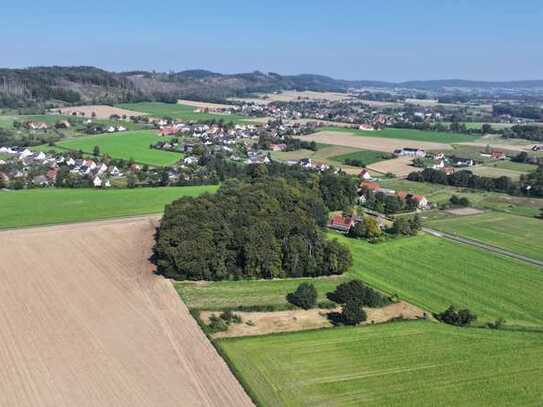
[367, 229]
[407, 226]
[389, 204]
[452, 316]
[220, 323]
[352, 296]
[267, 228]
[525, 158]
[456, 200]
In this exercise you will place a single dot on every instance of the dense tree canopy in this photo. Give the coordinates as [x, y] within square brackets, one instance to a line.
[266, 228]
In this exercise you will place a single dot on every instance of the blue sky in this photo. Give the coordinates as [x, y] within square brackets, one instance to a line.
[388, 40]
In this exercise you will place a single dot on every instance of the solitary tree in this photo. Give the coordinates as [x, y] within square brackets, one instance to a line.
[96, 151]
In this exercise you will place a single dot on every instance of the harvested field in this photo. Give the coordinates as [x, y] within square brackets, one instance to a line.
[85, 322]
[501, 146]
[401, 167]
[101, 111]
[203, 105]
[465, 211]
[495, 172]
[298, 320]
[293, 96]
[370, 143]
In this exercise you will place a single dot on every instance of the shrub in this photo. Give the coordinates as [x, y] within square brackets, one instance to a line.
[451, 316]
[356, 291]
[459, 201]
[230, 318]
[353, 313]
[216, 324]
[304, 297]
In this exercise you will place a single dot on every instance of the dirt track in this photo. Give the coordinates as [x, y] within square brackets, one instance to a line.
[370, 143]
[84, 322]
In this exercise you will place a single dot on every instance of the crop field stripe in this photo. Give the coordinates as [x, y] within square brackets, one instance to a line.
[403, 363]
[52, 206]
[407, 134]
[180, 112]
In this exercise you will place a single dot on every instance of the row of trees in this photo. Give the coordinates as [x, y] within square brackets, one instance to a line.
[266, 228]
[465, 179]
[524, 132]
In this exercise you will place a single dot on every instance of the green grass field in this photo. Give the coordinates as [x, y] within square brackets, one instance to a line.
[513, 166]
[436, 193]
[426, 271]
[366, 156]
[179, 112]
[495, 172]
[405, 364]
[52, 206]
[128, 145]
[408, 134]
[515, 233]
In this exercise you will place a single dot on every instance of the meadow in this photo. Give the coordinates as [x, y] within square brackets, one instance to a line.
[53, 206]
[408, 134]
[496, 172]
[514, 233]
[126, 145]
[419, 270]
[437, 193]
[365, 156]
[414, 364]
[179, 112]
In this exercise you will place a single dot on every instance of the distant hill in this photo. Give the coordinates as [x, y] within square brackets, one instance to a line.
[53, 86]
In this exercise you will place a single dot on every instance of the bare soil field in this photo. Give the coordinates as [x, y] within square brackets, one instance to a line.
[263, 323]
[85, 322]
[101, 111]
[465, 211]
[370, 143]
[293, 95]
[401, 167]
[203, 105]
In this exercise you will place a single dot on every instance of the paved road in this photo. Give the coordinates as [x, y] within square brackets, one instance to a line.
[484, 246]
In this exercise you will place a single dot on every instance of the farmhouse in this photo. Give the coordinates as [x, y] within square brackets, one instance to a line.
[341, 222]
[410, 152]
[365, 175]
[36, 125]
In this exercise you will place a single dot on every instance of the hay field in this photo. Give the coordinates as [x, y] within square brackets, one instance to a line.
[203, 105]
[401, 167]
[370, 143]
[86, 323]
[293, 96]
[101, 111]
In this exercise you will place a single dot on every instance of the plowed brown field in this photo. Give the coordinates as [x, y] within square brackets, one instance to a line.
[85, 322]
